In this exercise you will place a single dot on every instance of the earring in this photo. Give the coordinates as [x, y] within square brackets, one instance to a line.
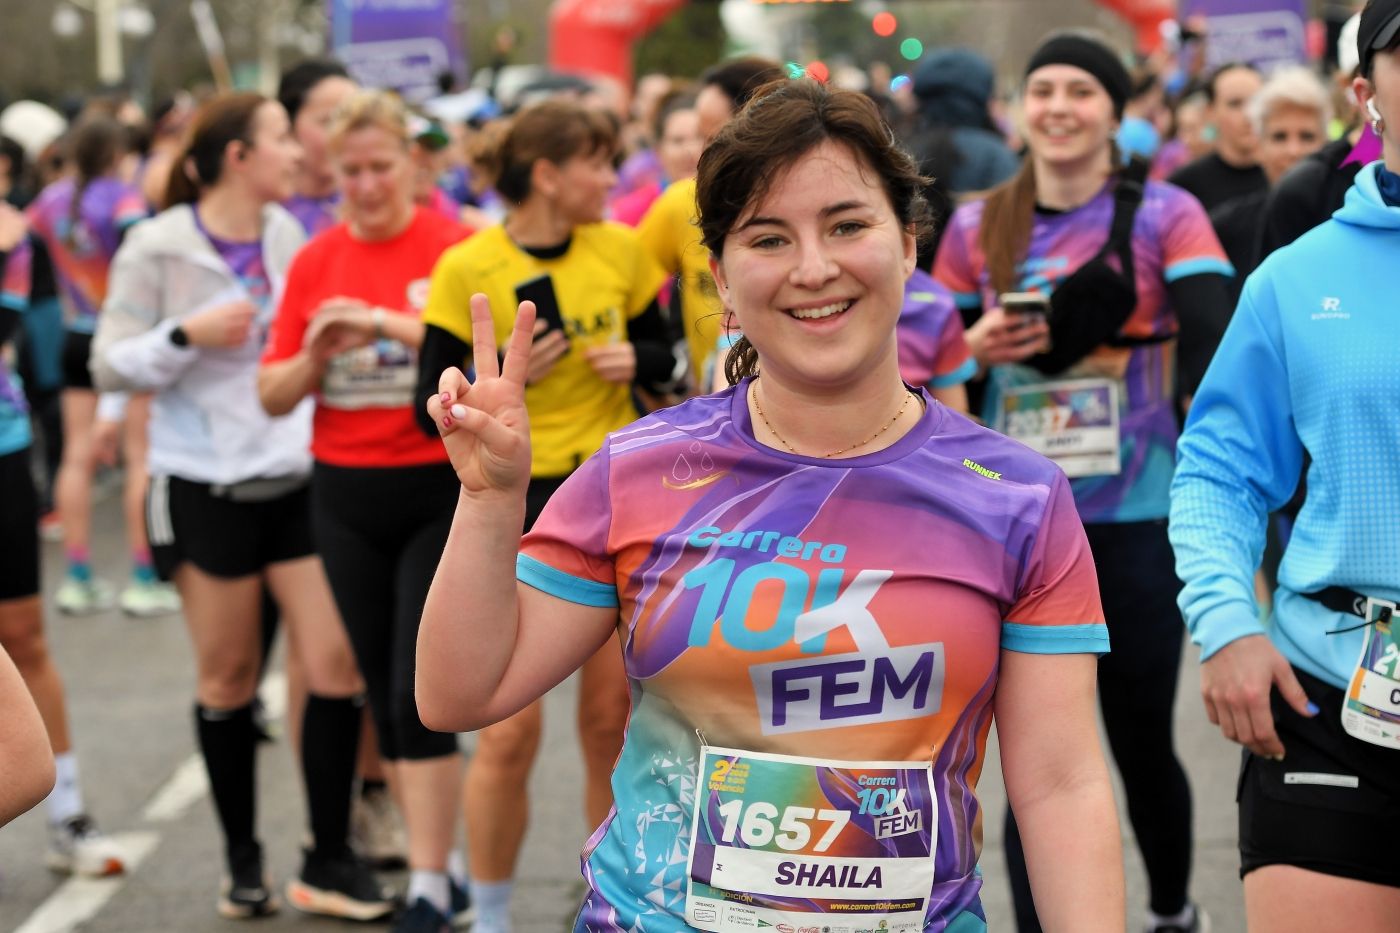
[1378, 126]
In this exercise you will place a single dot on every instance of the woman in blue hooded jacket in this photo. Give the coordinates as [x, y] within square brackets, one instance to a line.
[1309, 364]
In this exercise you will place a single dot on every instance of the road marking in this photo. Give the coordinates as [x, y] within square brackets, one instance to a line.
[78, 900]
[186, 787]
[190, 782]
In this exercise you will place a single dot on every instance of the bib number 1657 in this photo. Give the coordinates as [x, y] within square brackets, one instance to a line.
[759, 824]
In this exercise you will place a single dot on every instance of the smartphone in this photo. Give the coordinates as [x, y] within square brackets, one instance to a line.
[1025, 304]
[540, 290]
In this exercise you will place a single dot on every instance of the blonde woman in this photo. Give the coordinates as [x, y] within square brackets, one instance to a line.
[347, 332]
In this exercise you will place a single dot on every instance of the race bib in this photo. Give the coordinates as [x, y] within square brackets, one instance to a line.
[380, 375]
[793, 843]
[1073, 422]
[1371, 710]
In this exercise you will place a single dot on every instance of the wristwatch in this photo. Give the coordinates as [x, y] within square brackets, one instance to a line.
[179, 337]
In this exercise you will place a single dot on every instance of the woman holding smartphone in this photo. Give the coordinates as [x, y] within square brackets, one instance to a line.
[599, 333]
[1134, 283]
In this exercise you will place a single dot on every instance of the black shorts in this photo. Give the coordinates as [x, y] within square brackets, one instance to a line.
[77, 347]
[221, 535]
[1331, 806]
[19, 527]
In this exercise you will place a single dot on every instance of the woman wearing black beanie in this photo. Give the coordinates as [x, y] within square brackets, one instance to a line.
[1094, 300]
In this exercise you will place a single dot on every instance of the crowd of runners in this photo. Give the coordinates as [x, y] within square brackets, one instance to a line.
[839, 424]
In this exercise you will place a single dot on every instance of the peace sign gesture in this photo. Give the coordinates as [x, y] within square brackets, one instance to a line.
[484, 424]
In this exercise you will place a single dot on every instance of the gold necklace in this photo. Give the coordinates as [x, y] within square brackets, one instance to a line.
[835, 453]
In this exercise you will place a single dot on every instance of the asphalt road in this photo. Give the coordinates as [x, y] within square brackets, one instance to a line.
[130, 684]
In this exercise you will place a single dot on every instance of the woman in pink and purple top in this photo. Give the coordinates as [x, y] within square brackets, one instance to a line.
[1133, 283]
[824, 585]
[82, 219]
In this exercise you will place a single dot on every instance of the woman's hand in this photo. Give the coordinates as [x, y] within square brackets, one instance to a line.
[484, 424]
[226, 325]
[546, 352]
[340, 324]
[999, 337]
[1236, 683]
[613, 362]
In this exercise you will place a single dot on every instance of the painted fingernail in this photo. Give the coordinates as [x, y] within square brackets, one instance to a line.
[447, 421]
[1312, 708]
[446, 398]
[459, 411]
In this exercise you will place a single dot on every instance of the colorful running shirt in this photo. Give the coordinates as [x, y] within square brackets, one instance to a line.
[314, 214]
[932, 348]
[602, 280]
[14, 409]
[1172, 239]
[843, 610]
[244, 259]
[82, 252]
[365, 403]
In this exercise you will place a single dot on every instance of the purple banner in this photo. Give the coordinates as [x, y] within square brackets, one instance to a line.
[398, 44]
[1267, 33]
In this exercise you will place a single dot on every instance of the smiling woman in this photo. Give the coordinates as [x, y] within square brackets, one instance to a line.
[1135, 284]
[823, 585]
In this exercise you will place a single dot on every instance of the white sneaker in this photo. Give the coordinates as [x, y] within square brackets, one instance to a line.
[77, 847]
[84, 597]
[376, 830]
[149, 598]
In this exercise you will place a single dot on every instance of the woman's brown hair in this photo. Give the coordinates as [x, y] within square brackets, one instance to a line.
[95, 147]
[554, 130]
[226, 119]
[783, 122]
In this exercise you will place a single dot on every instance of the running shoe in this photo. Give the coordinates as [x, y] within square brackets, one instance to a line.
[84, 597]
[463, 913]
[376, 830]
[246, 892]
[78, 847]
[339, 886]
[1200, 923]
[147, 598]
[421, 917]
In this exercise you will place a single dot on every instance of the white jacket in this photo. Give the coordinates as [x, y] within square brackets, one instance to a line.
[207, 425]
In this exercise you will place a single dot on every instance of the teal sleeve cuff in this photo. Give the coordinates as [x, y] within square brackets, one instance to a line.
[967, 300]
[14, 302]
[1090, 638]
[565, 586]
[957, 377]
[1189, 267]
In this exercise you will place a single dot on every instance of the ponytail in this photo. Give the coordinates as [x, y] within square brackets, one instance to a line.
[97, 144]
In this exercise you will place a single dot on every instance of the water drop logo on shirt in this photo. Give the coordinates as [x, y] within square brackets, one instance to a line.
[875, 683]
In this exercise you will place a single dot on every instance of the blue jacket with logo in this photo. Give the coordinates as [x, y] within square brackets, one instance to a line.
[1311, 361]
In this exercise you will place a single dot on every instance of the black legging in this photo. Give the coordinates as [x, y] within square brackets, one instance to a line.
[1137, 691]
[380, 533]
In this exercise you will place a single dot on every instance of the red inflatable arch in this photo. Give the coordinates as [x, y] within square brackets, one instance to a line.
[596, 36]
[1146, 18]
